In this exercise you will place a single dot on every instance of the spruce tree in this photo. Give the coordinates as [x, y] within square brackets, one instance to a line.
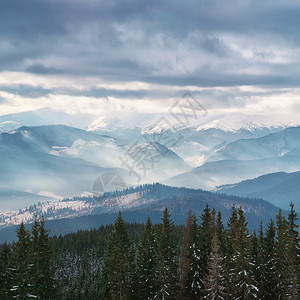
[21, 266]
[228, 259]
[5, 279]
[254, 265]
[166, 265]
[293, 254]
[145, 264]
[191, 282]
[239, 284]
[261, 281]
[271, 273]
[45, 286]
[206, 235]
[281, 254]
[118, 265]
[215, 281]
[221, 233]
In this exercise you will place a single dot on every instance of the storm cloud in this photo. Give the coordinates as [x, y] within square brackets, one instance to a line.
[169, 45]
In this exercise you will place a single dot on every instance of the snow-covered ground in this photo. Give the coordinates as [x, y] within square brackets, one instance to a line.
[70, 208]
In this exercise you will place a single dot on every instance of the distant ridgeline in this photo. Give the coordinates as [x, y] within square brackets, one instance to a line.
[136, 204]
[162, 261]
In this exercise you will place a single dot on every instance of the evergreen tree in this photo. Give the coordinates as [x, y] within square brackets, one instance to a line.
[261, 267]
[166, 266]
[35, 254]
[5, 279]
[214, 282]
[271, 274]
[191, 274]
[281, 254]
[221, 234]
[21, 266]
[45, 286]
[206, 235]
[228, 259]
[293, 254]
[145, 265]
[254, 265]
[118, 268]
[239, 284]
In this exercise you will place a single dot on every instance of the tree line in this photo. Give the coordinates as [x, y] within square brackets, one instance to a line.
[134, 261]
[213, 262]
[27, 266]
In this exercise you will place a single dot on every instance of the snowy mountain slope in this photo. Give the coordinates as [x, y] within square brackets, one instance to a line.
[245, 159]
[65, 161]
[235, 121]
[145, 200]
[274, 145]
[70, 208]
[212, 174]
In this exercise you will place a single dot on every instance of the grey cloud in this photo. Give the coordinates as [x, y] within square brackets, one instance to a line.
[41, 69]
[119, 40]
[25, 90]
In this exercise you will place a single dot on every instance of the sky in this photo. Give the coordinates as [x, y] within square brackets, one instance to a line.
[108, 58]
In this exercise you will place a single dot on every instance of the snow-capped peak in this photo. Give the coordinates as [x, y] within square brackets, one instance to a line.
[236, 121]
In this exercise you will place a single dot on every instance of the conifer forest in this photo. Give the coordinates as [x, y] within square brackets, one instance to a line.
[205, 259]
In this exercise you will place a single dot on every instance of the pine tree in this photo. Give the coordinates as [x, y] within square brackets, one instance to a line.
[118, 266]
[228, 259]
[145, 265]
[206, 235]
[254, 265]
[45, 286]
[166, 265]
[214, 282]
[5, 279]
[239, 283]
[191, 282]
[293, 254]
[221, 234]
[281, 254]
[21, 266]
[261, 267]
[271, 273]
[35, 254]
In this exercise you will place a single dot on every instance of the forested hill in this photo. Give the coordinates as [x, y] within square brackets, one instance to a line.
[136, 205]
[201, 260]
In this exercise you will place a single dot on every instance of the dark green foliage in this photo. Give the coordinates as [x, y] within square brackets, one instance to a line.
[215, 280]
[118, 266]
[239, 285]
[281, 254]
[293, 257]
[43, 272]
[269, 259]
[221, 234]
[132, 261]
[5, 278]
[80, 256]
[21, 266]
[254, 265]
[146, 263]
[191, 282]
[27, 267]
[167, 260]
[207, 229]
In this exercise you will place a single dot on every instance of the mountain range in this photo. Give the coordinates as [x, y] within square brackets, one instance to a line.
[136, 204]
[245, 159]
[278, 188]
[52, 162]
